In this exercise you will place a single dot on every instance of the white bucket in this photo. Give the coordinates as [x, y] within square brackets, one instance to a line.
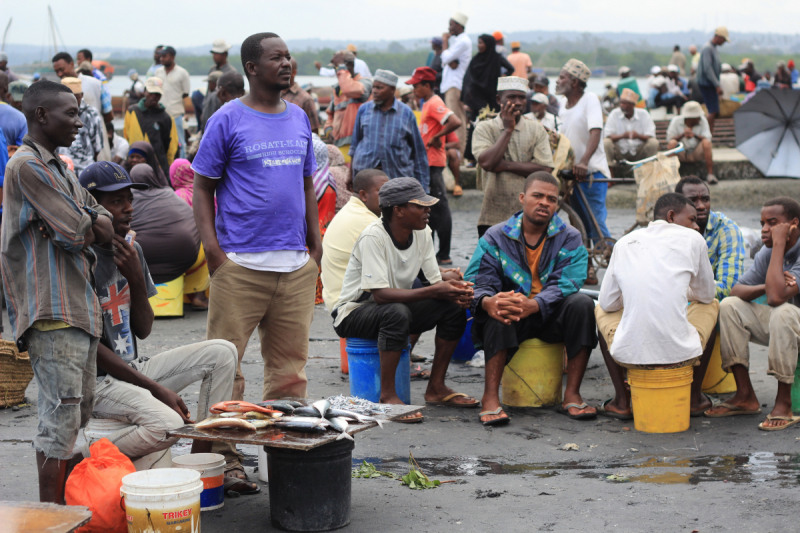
[212, 473]
[99, 428]
[263, 473]
[166, 500]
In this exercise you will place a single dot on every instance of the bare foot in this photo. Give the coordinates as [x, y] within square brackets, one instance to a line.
[780, 409]
[704, 404]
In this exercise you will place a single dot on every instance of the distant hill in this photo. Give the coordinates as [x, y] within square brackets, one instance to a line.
[542, 41]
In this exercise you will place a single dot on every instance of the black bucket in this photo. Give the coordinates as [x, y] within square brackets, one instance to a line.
[310, 491]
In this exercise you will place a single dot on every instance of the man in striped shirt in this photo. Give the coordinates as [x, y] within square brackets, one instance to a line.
[723, 237]
[49, 225]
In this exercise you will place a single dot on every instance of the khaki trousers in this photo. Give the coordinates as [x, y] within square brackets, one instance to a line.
[452, 99]
[702, 316]
[778, 328]
[698, 155]
[281, 306]
[613, 153]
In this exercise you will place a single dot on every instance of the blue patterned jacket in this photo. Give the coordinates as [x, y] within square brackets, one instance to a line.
[499, 264]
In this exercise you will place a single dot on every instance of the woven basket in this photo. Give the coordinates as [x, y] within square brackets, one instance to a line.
[15, 374]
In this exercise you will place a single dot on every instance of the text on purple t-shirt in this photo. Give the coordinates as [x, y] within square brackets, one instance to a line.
[260, 160]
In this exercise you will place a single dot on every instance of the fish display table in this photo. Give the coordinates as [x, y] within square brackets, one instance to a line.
[34, 517]
[309, 473]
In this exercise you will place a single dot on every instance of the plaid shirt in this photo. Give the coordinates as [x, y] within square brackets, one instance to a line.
[47, 278]
[725, 251]
[390, 139]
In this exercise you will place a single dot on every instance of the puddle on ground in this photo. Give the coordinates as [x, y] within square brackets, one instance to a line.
[750, 468]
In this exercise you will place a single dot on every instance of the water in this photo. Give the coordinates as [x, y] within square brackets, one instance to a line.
[121, 82]
[756, 467]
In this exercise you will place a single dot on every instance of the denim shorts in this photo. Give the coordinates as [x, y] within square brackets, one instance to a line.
[64, 363]
[710, 98]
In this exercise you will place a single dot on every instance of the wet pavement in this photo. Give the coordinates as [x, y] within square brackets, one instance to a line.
[720, 475]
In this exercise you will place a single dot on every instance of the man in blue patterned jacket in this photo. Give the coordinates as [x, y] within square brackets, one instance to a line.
[527, 273]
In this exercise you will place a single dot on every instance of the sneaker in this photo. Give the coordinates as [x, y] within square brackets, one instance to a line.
[712, 179]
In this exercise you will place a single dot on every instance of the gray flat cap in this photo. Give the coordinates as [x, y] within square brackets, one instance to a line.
[400, 191]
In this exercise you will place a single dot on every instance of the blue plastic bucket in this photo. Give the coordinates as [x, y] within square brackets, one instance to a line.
[365, 371]
[465, 348]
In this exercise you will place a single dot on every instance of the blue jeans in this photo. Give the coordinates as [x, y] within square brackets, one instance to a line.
[181, 136]
[64, 363]
[596, 196]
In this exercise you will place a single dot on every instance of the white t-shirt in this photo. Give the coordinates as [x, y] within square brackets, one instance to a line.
[577, 121]
[458, 47]
[376, 263]
[176, 84]
[120, 148]
[271, 261]
[641, 122]
[653, 273]
[92, 92]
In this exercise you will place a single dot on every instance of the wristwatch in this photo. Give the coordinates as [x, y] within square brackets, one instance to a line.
[91, 212]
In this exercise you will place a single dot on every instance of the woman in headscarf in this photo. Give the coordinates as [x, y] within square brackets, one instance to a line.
[340, 172]
[142, 152]
[166, 231]
[480, 80]
[480, 84]
[325, 190]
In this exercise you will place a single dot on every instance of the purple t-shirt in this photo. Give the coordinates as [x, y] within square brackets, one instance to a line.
[260, 160]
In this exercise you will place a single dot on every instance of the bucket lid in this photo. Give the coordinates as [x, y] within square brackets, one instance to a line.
[199, 461]
[160, 478]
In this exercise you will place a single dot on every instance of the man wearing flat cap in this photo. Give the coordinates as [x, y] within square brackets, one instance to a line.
[508, 148]
[583, 125]
[379, 301]
[456, 55]
[348, 95]
[89, 141]
[630, 132]
[386, 136]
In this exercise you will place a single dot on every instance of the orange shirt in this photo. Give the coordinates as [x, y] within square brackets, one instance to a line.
[434, 115]
[520, 61]
[533, 256]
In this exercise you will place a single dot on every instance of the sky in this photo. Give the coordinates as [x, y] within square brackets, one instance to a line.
[143, 23]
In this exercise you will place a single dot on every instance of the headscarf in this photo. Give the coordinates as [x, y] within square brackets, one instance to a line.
[322, 177]
[164, 225]
[182, 177]
[480, 81]
[146, 149]
[340, 172]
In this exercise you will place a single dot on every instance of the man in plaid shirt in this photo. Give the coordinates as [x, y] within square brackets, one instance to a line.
[723, 237]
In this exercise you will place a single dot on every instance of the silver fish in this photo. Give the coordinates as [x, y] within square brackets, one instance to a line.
[354, 416]
[322, 406]
[305, 412]
[340, 425]
[301, 424]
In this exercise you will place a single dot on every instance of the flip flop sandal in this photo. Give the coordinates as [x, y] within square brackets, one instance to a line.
[496, 421]
[457, 190]
[701, 412]
[733, 410]
[601, 410]
[230, 482]
[418, 358]
[564, 410]
[447, 400]
[404, 420]
[791, 420]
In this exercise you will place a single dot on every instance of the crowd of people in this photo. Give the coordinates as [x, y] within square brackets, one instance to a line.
[352, 223]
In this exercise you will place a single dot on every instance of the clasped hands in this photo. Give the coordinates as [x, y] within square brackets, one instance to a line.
[508, 307]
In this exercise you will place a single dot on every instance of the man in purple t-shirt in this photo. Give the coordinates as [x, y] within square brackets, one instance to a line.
[257, 156]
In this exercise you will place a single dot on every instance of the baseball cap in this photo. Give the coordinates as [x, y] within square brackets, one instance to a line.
[353, 48]
[153, 86]
[75, 84]
[541, 80]
[400, 191]
[17, 90]
[214, 76]
[167, 50]
[540, 98]
[107, 177]
[220, 46]
[722, 31]
[422, 74]
[515, 44]
[673, 68]
[497, 35]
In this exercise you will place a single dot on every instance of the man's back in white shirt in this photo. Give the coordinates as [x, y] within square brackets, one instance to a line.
[459, 47]
[653, 274]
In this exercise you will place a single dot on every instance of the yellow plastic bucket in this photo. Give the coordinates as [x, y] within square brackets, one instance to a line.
[533, 377]
[169, 300]
[716, 380]
[661, 399]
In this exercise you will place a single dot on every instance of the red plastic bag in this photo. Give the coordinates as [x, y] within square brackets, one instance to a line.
[95, 483]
